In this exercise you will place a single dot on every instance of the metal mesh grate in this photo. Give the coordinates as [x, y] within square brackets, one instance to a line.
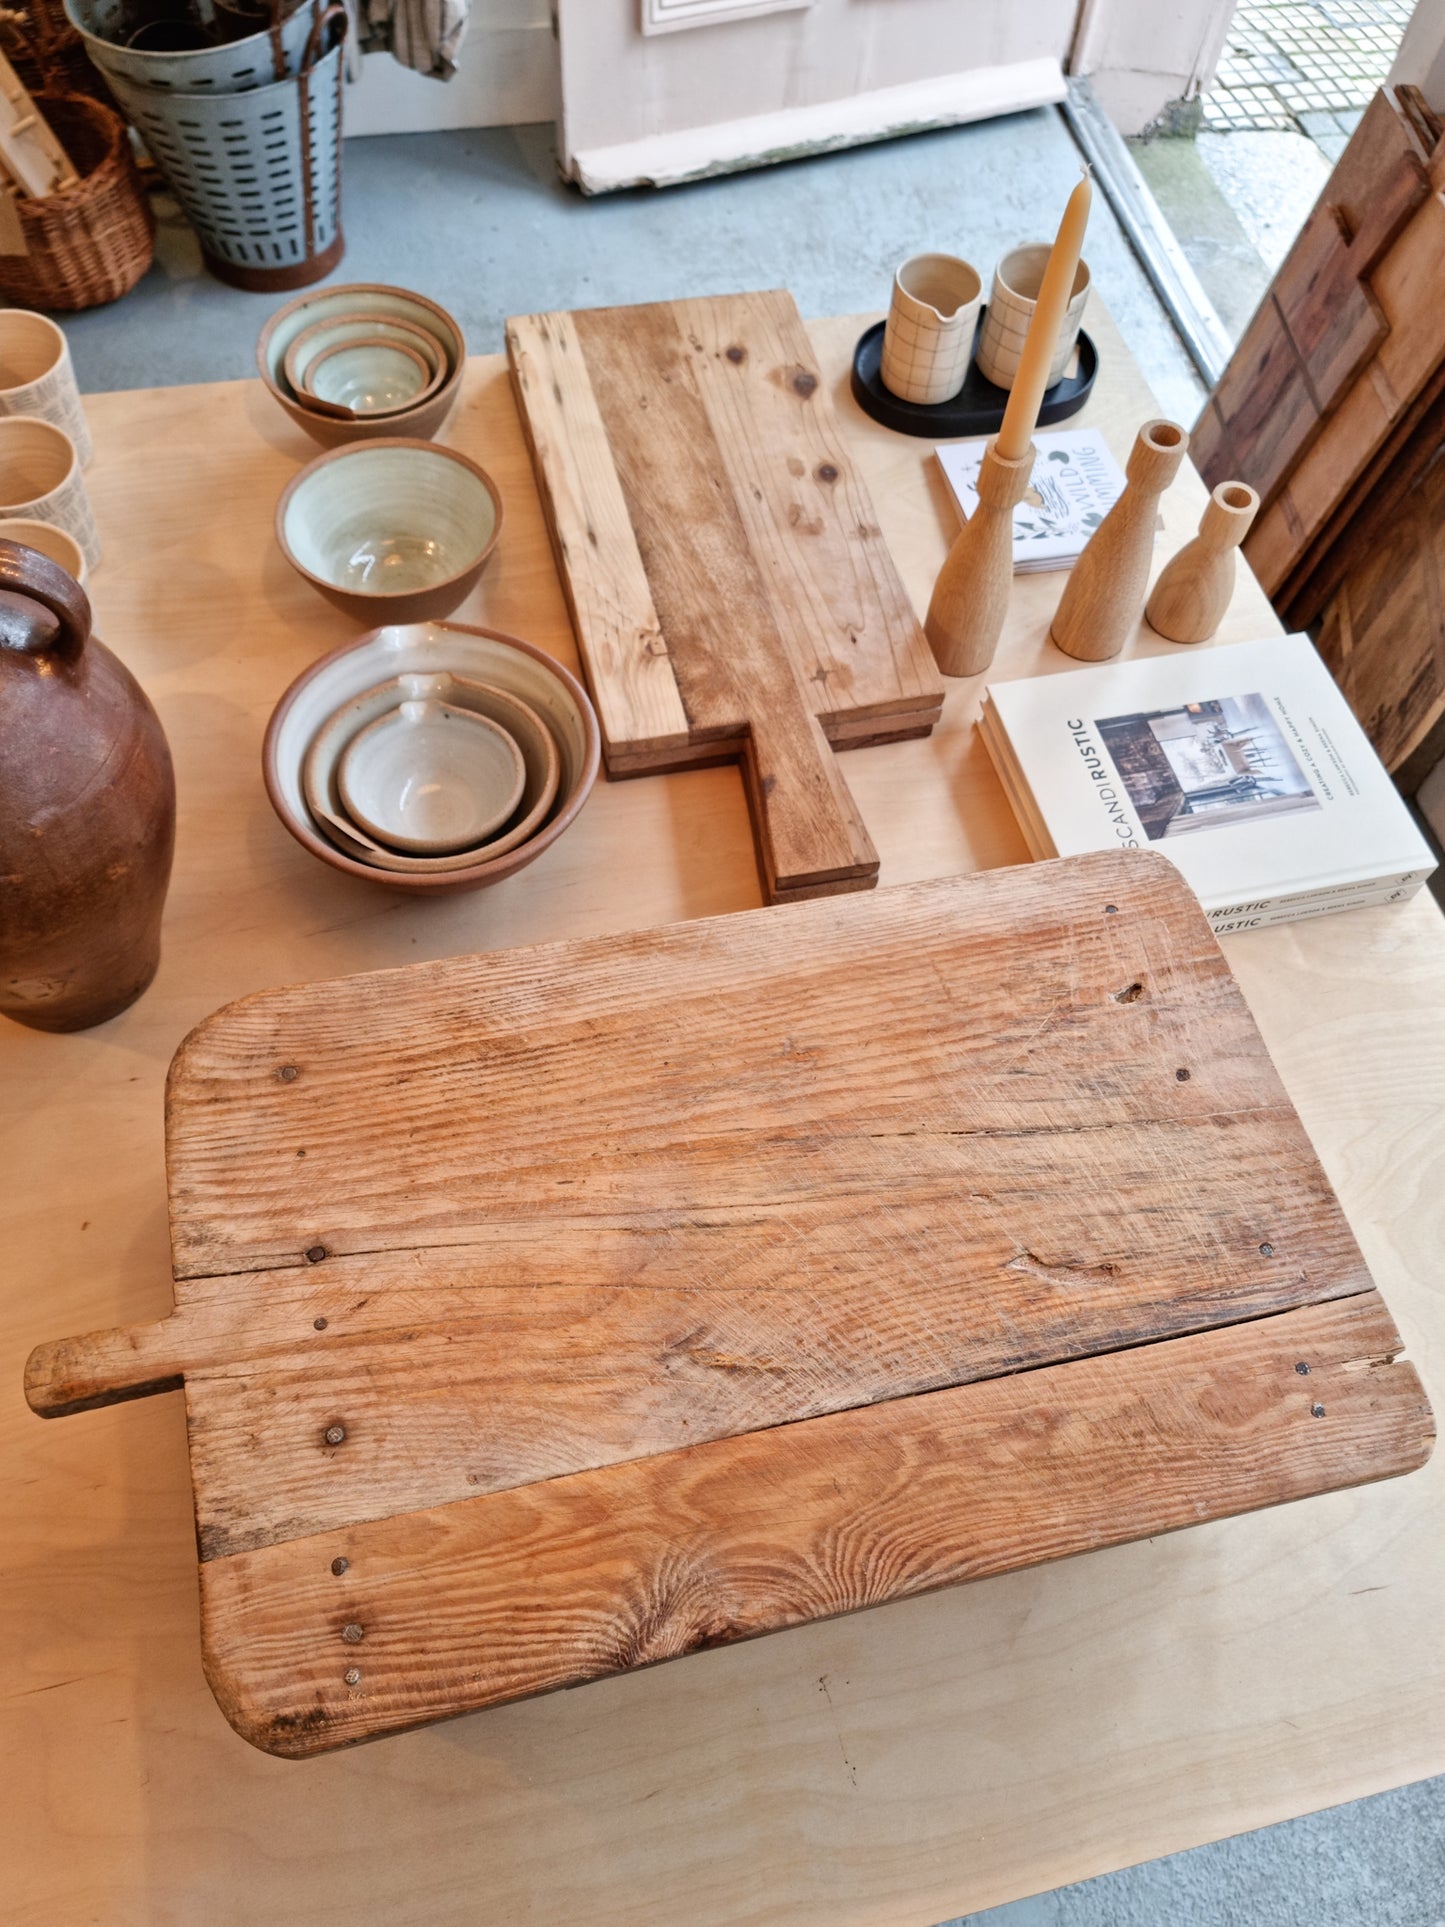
[1300, 64]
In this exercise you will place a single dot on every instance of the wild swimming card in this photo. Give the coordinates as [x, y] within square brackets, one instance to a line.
[1075, 483]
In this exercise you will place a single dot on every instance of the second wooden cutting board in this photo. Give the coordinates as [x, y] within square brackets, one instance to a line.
[731, 591]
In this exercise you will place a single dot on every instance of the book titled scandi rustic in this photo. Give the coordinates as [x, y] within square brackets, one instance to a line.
[1244, 765]
[1075, 483]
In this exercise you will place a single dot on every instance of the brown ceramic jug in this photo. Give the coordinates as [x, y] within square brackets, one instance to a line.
[87, 808]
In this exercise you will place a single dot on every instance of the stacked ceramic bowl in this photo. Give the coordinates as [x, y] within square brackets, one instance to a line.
[365, 360]
[432, 756]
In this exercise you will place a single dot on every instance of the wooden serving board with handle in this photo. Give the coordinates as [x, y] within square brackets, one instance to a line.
[544, 1314]
[730, 588]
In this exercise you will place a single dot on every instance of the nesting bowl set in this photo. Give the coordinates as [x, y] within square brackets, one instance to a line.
[432, 756]
[363, 361]
[428, 756]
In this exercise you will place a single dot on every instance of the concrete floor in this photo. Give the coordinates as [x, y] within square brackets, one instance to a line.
[479, 221]
[1235, 203]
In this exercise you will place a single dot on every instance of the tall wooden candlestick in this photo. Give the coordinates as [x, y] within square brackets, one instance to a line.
[970, 598]
[1104, 596]
[1192, 594]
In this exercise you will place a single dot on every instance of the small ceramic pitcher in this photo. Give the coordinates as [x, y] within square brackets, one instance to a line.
[928, 341]
[1011, 303]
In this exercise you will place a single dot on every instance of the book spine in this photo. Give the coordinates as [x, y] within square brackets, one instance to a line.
[1277, 910]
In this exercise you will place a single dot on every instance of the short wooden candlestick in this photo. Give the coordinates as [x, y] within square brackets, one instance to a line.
[1104, 596]
[1191, 596]
[970, 597]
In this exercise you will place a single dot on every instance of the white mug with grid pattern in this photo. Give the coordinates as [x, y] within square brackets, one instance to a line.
[1011, 303]
[928, 340]
[40, 480]
[36, 375]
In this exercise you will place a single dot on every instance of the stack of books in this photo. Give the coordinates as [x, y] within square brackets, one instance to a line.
[1075, 483]
[1244, 765]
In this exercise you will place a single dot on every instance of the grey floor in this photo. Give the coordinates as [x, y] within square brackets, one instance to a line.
[479, 221]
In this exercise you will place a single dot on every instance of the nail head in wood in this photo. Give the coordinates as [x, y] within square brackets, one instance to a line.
[339, 1566]
[335, 1434]
[353, 1634]
[353, 1676]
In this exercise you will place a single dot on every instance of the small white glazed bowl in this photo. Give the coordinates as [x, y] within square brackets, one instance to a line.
[429, 648]
[321, 335]
[521, 721]
[369, 376]
[430, 778]
[396, 530]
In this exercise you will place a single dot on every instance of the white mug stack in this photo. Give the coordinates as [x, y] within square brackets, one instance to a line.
[44, 440]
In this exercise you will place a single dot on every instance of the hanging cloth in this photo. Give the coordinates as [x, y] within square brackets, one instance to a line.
[425, 35]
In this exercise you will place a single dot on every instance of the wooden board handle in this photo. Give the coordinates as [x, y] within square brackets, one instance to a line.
[103, 1368]
[810, 836]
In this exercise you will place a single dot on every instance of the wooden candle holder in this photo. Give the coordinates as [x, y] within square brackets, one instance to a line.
[1104, 596]
[970, 598]
[1192, 594]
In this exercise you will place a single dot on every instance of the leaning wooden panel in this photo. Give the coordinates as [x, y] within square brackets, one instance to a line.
[354, 1634]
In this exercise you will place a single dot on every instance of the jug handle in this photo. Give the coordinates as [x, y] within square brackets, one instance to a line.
[25, 572]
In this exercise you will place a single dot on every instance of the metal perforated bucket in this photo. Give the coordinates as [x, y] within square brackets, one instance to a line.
[237, 67]
[257, 174]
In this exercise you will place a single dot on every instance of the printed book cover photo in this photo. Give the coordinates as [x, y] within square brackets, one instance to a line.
[1243, 764]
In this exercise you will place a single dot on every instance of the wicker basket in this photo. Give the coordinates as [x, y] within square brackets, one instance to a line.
[46, 51]
[92, 242]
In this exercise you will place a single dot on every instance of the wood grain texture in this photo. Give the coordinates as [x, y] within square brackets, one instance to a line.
[1322, 320]
[1103, 597]
[574, 1578]
[489, 1226]
[969, 604]
[1192, 594]
[600, 570]
[1329, 360]
[882, 1770]
[782, 616]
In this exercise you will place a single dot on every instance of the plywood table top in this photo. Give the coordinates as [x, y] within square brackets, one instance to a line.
[899, 1766]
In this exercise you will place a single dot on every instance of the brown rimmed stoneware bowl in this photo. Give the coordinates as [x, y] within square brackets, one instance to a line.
[395, 530]
[485, 655]
[375, 300]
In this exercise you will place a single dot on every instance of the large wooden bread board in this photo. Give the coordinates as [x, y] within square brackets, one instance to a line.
[731, 590]
[545, 1314]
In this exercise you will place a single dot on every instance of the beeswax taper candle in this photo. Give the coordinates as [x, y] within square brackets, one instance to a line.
[1027, 393]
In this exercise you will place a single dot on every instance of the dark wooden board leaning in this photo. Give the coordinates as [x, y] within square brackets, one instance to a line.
[731, 590]
[544, 1314]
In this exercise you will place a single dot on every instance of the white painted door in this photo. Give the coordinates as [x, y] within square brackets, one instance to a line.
[506, 75]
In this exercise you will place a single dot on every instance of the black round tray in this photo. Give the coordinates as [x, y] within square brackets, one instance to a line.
[977, 408]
